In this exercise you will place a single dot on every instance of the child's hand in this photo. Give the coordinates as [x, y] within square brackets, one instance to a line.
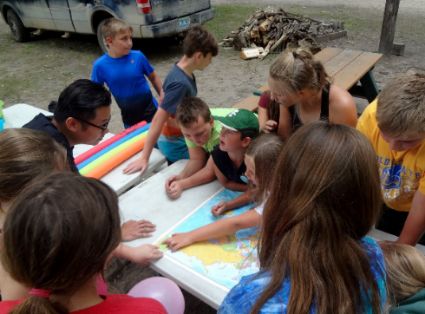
[171, 180]
[178, 241]
[143, 254]
[269, 126]
[175, 190]
[133, 229]
[219, 209]
[140, 164]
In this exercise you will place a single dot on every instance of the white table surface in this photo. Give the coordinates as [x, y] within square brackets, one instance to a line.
[148, 200]
[384, 236]
[18, 115]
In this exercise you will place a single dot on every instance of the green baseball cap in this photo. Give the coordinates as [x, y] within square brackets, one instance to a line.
[240, 120]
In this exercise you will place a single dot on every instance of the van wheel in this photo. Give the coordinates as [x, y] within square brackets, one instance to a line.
[19, 32]
[100, 40]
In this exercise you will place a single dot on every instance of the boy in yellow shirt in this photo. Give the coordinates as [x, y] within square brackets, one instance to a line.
[395, 125]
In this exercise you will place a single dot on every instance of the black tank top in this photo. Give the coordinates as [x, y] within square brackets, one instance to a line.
[324, 110]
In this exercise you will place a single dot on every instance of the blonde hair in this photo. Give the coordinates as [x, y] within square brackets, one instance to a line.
[25, 156]
[298, 70]
[405, 266]
[401, 105]
[113, 26]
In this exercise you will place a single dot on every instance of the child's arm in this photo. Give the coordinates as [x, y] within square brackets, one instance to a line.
[155, 129]
[414, 226]
[174, 186]
[143, 254]
[214, 230]
[197, 160]
[157, 84]
[266, 125]
[239, 201]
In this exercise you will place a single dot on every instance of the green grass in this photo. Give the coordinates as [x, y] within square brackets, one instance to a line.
[228, 18]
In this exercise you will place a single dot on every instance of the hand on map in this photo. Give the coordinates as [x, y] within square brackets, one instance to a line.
[140, 164]
[178, 241]
[143, 254]
[218, 209]
[173, 187]
[269, 126]
[134, 229]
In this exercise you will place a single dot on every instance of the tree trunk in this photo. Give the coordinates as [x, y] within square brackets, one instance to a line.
[388, 26]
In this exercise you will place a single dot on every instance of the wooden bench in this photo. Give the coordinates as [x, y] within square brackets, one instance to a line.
[349, 69]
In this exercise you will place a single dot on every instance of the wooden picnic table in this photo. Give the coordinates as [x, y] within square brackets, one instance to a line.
[349, 69]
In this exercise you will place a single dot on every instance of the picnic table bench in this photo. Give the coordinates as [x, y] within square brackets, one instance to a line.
[349, 69]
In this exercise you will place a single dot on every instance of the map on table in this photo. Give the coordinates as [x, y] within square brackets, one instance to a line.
[225, 260]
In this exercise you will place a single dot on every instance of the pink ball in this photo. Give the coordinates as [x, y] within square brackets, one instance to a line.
[164, 290]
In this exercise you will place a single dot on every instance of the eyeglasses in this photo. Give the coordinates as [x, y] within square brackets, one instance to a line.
[102, 127]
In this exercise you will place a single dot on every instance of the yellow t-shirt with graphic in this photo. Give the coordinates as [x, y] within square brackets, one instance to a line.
[402, 172]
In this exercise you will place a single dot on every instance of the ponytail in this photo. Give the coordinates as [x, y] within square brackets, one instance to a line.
[38, 305]
[298, 70]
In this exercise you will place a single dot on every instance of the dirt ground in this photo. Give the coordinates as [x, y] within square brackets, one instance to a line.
[37, 71]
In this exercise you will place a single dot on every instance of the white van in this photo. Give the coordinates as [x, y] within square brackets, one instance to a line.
[149, 18]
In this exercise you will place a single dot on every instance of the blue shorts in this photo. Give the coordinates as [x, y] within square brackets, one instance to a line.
[173, 147]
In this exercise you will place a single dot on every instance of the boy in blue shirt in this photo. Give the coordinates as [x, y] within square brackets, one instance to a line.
[124, 71]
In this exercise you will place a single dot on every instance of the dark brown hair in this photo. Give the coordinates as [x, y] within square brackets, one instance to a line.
[198, 39]
[324, 198]
[190, 109]
[298, 70]
[26, 155]
[264, 150]
[58, 235]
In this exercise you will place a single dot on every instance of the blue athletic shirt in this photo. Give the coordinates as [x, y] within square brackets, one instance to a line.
[243, 296]
[126, 79]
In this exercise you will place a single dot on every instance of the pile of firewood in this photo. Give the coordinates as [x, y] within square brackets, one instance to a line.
[274, 30]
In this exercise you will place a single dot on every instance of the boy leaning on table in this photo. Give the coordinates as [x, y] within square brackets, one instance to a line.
[395, 125]
[226, 156]
[81, 116]
[201, 129]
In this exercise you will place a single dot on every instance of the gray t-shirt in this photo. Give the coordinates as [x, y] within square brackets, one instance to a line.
[177, 85]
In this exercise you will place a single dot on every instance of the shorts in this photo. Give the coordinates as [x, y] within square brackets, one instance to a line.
[173, 147]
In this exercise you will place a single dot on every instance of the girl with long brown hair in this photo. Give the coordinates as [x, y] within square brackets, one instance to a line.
[314, 254]
[51, 245]
[300, 93]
